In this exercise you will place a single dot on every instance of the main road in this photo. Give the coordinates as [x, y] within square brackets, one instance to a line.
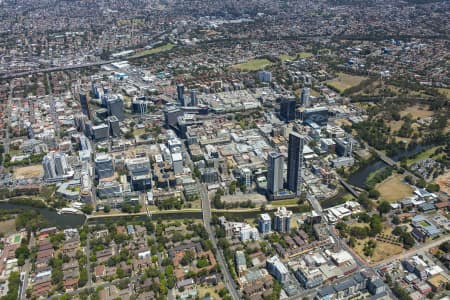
[206, 208]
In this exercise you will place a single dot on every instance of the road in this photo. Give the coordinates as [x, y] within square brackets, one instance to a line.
[25, 270]
[206, 208]
[413, 251]
[88, 264]
[54, 69]
[6, 140]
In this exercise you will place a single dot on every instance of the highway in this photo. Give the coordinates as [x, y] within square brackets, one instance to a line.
[206, 208]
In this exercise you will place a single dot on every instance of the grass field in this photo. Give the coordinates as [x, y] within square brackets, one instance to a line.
[253, 65]
[299, 55]
[393, 189]
[313, 92]
[8, 226]
[344, 81]
[28, 172]
[284, 202]
[444, 182]
[163, 48]
[422, 155]
[212, 291]
[382, 250]
[445, 92]
[417, 111]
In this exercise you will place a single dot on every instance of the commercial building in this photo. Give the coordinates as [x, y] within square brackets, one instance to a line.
[171, 114]
[177, 162]
[275, 173]
[55, 166]
[180, 94]
[114, 129]
[305, 96]
[264, 223]
[84, 103]
[139, 107]
[287, 109]
[295, 163]
[344, 147]
[114, 104]
[309, 278]
[240, 262]
[246, 177]
[104, 166]
[282, 220]
[277, 269]
[109, 189]
[194, 99]
[264, 76]
[140, 173]
[318, 115]
[100, 132]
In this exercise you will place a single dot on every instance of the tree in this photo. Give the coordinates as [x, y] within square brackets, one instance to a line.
[384, 207]
[373, 193]
[395, 220]
[87, 209]
[375, 225]
[83, 277]
[23, 252]
[408, 240]
[107, 208]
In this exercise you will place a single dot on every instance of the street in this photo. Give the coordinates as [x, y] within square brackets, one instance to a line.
[206, 208]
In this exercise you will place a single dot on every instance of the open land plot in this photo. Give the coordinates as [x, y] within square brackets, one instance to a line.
[313, 92]
[8, 226]
[395, 125]
[393, 188]
[300, 55]
[382, 250]
[445, 92]
[417, 111]
[163, 48]
[304, 54]
[444, 182]
[284, 202]
[28, 172]
[252, 65]
[212, 291]
[344, 81]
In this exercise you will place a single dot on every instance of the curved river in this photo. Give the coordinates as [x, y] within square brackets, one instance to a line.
[63, 221]
[358, 178]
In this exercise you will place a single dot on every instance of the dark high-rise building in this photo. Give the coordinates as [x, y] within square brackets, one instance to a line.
[287, 109]
[104, 166]
[180, 94]
[139, 107]
[114, 129]
[115, 107]
[84, 102]
[194, 100]
[275, 173]
[171, 114]
[295, 163]
[318, 115]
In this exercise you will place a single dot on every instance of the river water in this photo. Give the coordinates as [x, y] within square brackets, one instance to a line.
[358, 178]
[63, 221]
